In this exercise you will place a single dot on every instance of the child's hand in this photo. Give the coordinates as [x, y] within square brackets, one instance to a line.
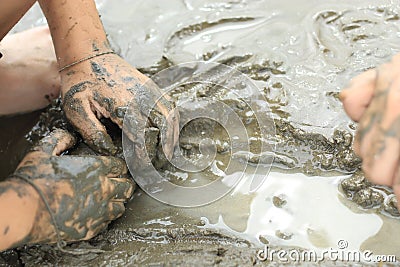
[373, 100]
[85, 193]
[104, 86]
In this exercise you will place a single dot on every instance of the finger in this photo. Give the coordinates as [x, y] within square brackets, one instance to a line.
[375, 127]
[356, 144]
[151, 137]
[367, 129]
[96, 229]
[134, 124]
[172, 132]
[111, 106]
[56, 142]
[357, 97]
[94, 133]
[380, 148]
[116, 209]
[370, 144]
[114, 166]
[396, 190]
[381, 167]
[163, 98]
[396, 187]
[168, 123]
[156, 108]
[122, 189]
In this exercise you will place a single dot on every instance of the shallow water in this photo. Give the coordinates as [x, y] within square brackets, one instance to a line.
[300, 55]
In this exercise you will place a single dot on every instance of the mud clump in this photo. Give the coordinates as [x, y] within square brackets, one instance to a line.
[369, 196]
[279, 201]
[149, 246]
[314, 153]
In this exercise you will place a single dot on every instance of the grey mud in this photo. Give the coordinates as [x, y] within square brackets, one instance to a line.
[298, 148]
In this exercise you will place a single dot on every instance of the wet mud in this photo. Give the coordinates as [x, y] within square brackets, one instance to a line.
[13, 142]
[299, 78]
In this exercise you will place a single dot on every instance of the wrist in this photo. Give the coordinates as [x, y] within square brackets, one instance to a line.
[79, 75]
[76, 29]
[81, 49]
[93, 55]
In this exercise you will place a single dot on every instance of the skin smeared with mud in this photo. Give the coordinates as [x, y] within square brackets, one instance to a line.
[84, 185]
[108, 96]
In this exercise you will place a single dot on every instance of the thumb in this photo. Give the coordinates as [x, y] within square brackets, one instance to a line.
[56, 142]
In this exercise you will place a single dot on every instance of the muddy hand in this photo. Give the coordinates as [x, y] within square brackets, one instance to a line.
[104, 86]
[373, 100]
[85, 193]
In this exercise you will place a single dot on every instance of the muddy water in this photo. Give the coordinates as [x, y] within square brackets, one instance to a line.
[300, 55]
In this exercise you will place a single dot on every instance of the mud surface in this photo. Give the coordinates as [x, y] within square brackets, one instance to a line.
[300, 56]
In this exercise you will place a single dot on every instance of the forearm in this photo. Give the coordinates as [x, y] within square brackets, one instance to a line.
[11, 12]
[76, 29]
[18, 206]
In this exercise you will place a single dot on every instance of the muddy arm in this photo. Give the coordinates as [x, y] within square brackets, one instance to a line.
[76, 29]
[18, 207]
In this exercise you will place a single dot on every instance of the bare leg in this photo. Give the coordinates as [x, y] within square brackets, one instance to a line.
[29, 76]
